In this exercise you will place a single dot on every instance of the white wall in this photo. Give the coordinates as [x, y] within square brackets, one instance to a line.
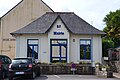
[55, 29]
[43, 53]
[97, 49]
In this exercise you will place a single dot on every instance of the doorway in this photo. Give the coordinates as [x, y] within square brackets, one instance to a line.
[58, 50]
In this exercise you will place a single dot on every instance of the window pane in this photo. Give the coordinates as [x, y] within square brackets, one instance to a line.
[88, 56]
[82, 42]
[54, 42]
[81, 52]
[36, 52]
[61, 41]
[85, 42]
[63, 51]
[88, 42]
[29, 51]
[32, 41]
[55, 51]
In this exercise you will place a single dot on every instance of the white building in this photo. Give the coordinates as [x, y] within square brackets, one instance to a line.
[59, 37]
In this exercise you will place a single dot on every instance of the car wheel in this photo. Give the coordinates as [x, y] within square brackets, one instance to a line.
[38, 72]
[0, 75]
[33, 75]
[3, 75]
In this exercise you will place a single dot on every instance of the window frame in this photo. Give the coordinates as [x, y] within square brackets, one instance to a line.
[85, 46]
[32, 46]
[54, 44]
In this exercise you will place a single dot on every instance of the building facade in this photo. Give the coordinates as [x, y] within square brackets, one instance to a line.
[59, 37]
[19, 16]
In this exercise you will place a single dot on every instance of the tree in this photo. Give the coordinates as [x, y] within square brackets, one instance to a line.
[112, 28]
[106, 43]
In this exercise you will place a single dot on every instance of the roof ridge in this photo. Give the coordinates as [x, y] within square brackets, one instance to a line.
[60, 12]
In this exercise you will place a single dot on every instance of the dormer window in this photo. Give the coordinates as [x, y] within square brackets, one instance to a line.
[58, 26]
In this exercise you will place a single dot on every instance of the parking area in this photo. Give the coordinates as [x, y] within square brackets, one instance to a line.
[67, 77]
[72, 77]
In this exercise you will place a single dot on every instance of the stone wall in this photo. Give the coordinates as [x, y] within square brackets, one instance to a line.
[117, 64]
[66, 69]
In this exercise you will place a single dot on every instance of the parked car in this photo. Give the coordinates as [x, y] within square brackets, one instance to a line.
[5, 61]
[23, 67]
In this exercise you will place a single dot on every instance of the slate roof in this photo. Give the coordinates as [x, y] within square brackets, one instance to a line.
[72, 22]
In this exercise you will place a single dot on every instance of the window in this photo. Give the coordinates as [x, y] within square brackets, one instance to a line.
[85, 49]
[32, 48]
[73, 40]
[58, 26]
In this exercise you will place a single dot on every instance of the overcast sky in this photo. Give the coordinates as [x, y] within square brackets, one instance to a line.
[92, 11]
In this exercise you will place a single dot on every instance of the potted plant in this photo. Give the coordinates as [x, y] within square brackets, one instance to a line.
[105, 68]
[97, 64]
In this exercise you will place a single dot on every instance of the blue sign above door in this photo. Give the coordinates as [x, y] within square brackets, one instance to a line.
[58, 33]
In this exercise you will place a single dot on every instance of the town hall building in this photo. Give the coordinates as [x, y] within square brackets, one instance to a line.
[59, 37]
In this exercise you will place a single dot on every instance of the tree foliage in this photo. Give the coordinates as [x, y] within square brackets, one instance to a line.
[112, 28]
[106, 43]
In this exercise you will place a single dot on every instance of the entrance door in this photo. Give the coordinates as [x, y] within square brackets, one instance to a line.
[58, 50]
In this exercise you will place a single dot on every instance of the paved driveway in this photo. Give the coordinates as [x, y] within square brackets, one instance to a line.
[67, 77]
[72, 77]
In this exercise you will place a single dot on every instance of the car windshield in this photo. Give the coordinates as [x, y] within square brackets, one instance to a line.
[21, 61]
[5, 60]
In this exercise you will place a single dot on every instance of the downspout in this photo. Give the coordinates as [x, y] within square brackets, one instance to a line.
[92, 60]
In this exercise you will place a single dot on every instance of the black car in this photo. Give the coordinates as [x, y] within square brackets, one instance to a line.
[5, 61]
[23, 67]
